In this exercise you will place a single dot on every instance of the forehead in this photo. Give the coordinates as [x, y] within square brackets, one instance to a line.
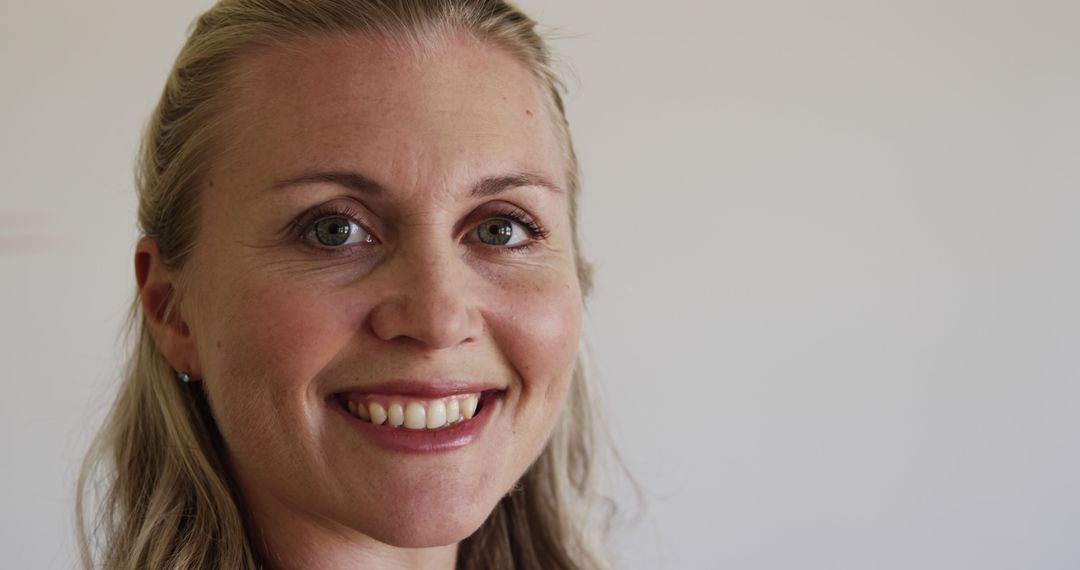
[458, 109]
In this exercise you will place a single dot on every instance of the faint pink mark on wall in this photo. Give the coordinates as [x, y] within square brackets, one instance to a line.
[29, 232]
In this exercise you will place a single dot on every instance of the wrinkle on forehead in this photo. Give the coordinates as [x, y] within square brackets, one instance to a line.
[422, 89]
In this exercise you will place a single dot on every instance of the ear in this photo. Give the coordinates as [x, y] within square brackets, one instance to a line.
[157, 287]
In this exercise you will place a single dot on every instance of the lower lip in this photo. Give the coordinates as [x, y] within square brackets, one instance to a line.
[405, 440]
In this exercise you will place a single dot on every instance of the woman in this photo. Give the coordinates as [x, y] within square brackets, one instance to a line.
[359, 300]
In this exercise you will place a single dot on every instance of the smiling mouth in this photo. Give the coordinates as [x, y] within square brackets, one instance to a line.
[415, 413]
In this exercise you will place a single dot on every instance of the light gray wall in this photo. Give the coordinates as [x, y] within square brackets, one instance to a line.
[836, 316]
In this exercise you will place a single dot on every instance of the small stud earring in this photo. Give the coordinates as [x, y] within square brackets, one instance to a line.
[183, 376]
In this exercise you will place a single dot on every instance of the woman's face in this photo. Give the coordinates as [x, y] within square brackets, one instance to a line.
[384, 228]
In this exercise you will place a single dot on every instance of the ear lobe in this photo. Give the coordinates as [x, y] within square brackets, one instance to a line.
[157, 286]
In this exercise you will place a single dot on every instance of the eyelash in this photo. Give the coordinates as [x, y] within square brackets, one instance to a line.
[304, 224]
[536, 231]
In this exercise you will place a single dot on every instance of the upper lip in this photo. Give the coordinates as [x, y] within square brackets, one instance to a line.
[439, 388]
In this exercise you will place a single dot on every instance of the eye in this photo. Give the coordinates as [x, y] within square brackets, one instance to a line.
[337, 231]
[501, 232]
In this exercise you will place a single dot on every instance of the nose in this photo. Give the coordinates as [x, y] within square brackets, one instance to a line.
[429, 299]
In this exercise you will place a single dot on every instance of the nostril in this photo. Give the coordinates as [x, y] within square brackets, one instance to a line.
[432, 325]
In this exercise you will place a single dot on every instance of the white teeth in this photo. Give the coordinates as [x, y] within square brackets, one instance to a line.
[415, 416]
[396, 415]
[436, 414]
[453, 411]
[378, 414]
[468, 407]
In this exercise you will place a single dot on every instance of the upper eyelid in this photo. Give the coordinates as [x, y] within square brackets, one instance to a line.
[356, 211]
[535, 228]
[329, 210]
[503, 209]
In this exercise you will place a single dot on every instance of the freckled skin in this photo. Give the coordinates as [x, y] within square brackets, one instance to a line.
[279, 327]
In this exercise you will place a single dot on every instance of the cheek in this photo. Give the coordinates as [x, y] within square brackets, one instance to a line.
[277, 326]
[266, 340]
[538, 330]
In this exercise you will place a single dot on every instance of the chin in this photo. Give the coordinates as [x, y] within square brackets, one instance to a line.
[422, 529]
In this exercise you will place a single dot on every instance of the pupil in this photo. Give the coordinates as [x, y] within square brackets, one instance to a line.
[496, 232]
[333, 231]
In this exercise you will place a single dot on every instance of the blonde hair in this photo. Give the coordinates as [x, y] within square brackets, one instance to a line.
[157, 471]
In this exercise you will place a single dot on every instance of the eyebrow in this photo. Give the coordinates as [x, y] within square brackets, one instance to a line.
[487, 186]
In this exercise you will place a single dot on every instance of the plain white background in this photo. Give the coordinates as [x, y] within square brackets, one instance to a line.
[836, 314]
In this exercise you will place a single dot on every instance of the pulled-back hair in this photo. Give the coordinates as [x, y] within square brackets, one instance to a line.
[157, 475]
